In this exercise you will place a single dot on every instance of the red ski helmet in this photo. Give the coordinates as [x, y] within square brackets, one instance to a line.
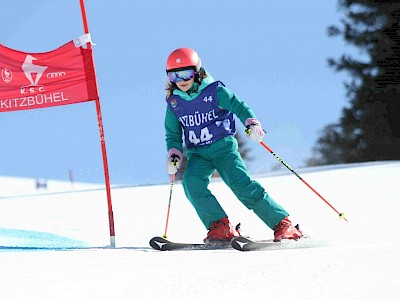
[182, 58]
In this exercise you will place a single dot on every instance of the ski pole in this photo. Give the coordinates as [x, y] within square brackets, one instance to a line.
[169, 204]
[341, 215]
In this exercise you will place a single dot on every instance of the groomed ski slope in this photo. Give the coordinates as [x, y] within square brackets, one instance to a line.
[53, 244]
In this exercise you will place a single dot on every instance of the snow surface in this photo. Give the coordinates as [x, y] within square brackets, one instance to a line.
[54, 244]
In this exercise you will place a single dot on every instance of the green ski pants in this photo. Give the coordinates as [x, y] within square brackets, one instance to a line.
[224, 157]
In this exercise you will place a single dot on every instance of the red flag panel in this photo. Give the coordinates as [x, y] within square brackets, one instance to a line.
[36, 80]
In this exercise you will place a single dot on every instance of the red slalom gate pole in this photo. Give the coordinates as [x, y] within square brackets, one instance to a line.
[102, 140]
[169, 204]
[341, 215]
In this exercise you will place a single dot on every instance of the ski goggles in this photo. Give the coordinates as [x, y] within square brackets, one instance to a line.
[183, 75]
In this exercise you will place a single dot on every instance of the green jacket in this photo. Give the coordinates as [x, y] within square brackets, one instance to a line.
[226, 100]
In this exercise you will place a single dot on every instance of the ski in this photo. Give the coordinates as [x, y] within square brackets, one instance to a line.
[162, 244]
[244, 244]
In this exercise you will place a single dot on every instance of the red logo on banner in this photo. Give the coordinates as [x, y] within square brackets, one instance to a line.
[6, 75]
[36, 80]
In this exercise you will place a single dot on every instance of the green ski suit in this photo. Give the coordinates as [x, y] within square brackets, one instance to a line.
[222, 156]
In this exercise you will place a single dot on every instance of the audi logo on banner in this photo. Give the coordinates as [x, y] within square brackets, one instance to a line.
[55, 74]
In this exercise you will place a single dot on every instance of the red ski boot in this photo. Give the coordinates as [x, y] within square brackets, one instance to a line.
[221, 231]
[285, 230]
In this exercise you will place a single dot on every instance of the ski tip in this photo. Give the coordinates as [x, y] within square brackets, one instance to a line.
[157, 243]
[239, 243]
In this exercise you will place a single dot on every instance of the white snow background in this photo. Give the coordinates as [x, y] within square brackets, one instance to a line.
[54, 242]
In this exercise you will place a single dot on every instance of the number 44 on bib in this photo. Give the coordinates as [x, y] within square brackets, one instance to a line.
[205, 136]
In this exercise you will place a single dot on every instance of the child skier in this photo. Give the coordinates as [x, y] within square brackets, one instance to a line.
[203, 109]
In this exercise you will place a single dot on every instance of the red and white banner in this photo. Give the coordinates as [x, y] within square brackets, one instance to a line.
[37, 80]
